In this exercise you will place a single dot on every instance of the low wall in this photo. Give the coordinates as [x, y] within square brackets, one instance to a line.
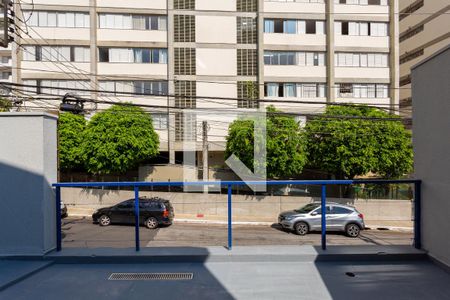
[245, 207]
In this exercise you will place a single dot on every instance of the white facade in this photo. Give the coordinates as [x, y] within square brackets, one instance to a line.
[312, 52]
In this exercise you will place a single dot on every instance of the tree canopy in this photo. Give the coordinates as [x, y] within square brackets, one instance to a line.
[118, 139]
[70, 130]
[349, 147]
[5, 105]
[286, 144]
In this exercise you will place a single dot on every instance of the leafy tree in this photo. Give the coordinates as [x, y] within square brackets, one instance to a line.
[70, 129]
[286, 144]
[349, 147]
[118, 139]
[5, 105]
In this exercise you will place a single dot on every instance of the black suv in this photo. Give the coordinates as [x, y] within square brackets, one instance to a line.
[152, 213]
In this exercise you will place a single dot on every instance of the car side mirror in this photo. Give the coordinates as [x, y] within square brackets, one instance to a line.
[314, 213]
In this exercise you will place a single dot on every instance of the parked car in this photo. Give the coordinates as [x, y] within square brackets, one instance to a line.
[64, 213]
[153, 212]
[338, 218]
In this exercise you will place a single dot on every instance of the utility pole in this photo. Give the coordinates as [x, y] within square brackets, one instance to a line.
[205, 155]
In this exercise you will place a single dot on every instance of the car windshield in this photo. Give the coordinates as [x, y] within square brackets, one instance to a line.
[307, 208]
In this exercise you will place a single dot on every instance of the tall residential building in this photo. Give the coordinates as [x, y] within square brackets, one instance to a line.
[424, 29]
[212, 55]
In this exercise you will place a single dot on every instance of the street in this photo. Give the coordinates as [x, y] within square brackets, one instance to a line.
[81, 232]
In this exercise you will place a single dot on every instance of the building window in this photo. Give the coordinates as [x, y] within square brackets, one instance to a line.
[246, 30]
[56, 53]
[292, 26]
[248, 93]
[185, 93]
[362, 2]
[357, 90]
[294, 58]
[363, 60]
[57, 19]
[184, 4]
[361, 28]
[247, 62]
[133, 55]
[159, 121]
[184, 28]
[132, 22]
[410, 56]
[185, 63]
[246, 5]
[57, 87]
[134, 87]
[295, 90]
[185, 97]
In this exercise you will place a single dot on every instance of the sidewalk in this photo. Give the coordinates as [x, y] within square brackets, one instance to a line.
[404, 226]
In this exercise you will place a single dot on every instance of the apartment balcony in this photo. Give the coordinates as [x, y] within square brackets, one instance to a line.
[137, 69]
[62, 2]
[381, 102]
[293, 7]
[54, 69]
[362, 73]
[294, 40]
[379, 11]
[294, 72]
[288, 104]
[351, 41]
[133, 4]
[6, 65]
[124, 35]
[9, 79]
[60, 33]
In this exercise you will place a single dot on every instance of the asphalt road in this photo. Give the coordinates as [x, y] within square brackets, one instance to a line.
[81, 232]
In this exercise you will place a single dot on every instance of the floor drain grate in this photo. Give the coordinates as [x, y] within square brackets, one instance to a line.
[151, 276]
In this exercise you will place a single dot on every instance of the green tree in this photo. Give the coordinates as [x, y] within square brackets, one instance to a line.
[286, 144]
[118, 139]
[70, 129]
[5, 105]
[349, 147]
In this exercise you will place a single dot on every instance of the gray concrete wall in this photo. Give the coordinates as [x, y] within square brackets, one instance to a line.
[245, 207]
[431, 128]
[28, 166]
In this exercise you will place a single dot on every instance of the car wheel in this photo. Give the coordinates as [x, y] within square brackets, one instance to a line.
[301, 228]
[151, 223]
[352, 230]
[104, 220]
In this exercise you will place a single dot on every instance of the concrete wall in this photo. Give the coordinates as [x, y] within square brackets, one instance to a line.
[28, 167]
[245, 207]
[431, 110]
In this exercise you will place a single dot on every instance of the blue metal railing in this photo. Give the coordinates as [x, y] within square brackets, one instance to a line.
[229, 185]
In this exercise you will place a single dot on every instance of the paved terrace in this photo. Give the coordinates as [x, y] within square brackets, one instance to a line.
[259, 272]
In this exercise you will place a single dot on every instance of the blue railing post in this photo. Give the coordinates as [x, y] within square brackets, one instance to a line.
[324, 216]
[230, 223]
[58, 219]
[136, 217]
[417, 215]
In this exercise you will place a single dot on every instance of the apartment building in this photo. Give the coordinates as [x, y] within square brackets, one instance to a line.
[424, 29]
[216, 56]
[5, 68]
